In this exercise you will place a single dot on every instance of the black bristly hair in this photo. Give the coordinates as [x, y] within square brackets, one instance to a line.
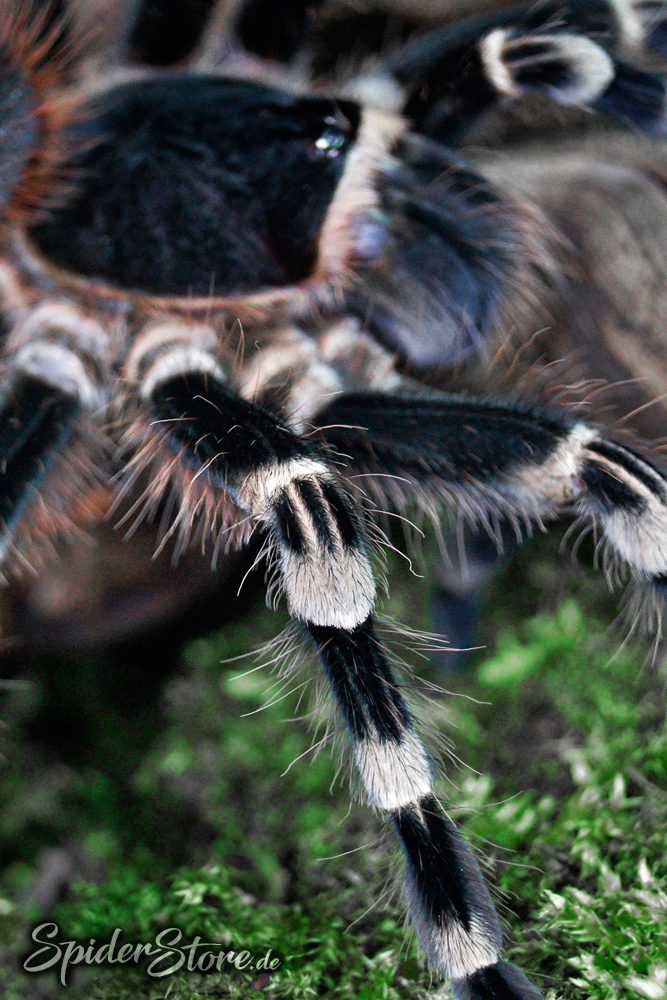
[197, 183]
[231, 203]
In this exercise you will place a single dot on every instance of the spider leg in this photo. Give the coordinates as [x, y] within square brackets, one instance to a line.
[234, 447]
[285, 485]
[51, 387]
[572, 53]
[450, 906]
[472, 558]
[165, 32]
[497, 458]
[646, 23]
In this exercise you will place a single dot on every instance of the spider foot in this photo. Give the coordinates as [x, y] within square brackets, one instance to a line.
[501, 981]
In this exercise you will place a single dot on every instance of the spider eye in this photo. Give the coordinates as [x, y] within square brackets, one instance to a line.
[335, 136]
[330, 143]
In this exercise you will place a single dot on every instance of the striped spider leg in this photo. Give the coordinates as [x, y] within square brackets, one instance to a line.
[53, 394]
[484, 457]
[287, 486]
[593, 55]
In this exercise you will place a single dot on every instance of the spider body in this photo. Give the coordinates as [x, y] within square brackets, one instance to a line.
[201, 212]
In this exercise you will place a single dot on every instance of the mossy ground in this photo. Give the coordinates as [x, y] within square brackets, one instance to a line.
[190, 816]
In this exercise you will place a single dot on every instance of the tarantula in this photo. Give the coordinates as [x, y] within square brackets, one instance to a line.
[234, 276]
